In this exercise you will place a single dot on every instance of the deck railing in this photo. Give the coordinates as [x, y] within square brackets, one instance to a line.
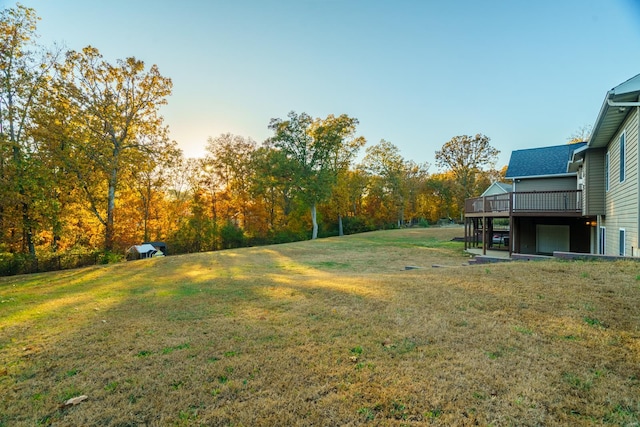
[529, 202]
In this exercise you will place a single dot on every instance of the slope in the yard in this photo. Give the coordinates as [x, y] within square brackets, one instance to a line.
[327, 332]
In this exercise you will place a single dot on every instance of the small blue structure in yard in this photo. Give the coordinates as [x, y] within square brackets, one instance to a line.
[143, 251]
[160, 246]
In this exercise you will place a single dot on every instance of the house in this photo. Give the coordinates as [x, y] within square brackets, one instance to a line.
[495, 204]
[543, 206]
[547, 212]
[497, 188]
[608, 172]
[582, 197]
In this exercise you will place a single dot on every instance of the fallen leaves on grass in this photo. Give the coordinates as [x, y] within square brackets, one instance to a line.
[75, 400]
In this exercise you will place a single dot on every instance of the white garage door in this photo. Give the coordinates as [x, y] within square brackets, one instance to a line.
[551, 238]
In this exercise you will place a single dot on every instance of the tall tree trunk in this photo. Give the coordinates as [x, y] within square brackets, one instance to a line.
[340, 229]
[314, 234]
[146, 227]
[401, 217]
[2, 229]
[2, 201]
[27, 230]
[111, 205]
[146, 209]
[56, 222]
[272, 208]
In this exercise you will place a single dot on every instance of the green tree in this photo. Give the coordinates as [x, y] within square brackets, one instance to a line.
[24, 73]
[394, 180]
[149, 180]
[438, 196]
[310, 146]
[465, 156]
[230, 159]
[342, 129]
[189, 224]
[415, 178]
[113, 124]
[273, 186]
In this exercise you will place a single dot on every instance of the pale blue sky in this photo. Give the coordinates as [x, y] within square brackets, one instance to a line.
[416, 73]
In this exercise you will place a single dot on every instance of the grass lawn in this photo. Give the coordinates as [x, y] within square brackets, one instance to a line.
[327, 332]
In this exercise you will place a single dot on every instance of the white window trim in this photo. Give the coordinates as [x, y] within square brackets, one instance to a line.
[603, 240]
[622, 141]
[606, 171]
[622, 242]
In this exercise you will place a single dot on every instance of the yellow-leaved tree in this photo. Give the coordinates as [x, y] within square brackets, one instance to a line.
[112, 126]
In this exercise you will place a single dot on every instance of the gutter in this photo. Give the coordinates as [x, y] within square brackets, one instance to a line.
[622, 104]
[608, 103]
[573, 165]
[556, 175]
[577, 159]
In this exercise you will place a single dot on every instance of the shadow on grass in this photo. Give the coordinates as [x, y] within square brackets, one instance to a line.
[314, 334]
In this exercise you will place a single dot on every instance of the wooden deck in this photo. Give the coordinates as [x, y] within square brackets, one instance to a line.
[526, 203]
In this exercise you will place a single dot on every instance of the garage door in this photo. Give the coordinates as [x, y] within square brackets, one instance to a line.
[551, 238]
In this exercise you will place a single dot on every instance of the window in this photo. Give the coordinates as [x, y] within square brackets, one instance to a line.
[606, 172]
[622, 154]
[621, 244]
[603, 234]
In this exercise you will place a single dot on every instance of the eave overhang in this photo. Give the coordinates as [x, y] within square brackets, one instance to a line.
[577, 159]
[556, 175]
[617, 105]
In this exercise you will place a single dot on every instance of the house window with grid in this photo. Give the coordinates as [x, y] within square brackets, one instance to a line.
[622, 241]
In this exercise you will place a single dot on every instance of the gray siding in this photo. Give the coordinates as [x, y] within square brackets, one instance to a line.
[621, 201]
[594, 182]
[494, 191]
[547, 184]
[549, 202]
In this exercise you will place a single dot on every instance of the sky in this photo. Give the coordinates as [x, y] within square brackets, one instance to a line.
[416, 73]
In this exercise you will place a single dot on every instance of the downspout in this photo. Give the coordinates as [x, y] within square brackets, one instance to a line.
[598, 225]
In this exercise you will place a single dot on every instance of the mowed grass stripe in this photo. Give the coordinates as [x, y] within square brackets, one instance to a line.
[326, 332]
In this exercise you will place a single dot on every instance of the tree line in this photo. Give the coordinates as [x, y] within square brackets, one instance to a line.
[86, 163]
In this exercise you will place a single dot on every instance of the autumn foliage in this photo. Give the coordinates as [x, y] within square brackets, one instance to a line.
[87, 165]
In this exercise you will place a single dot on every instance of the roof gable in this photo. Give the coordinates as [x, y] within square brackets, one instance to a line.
[144, 248]
[614, 111]
[497, 188]
[544, 161]
[630, 86]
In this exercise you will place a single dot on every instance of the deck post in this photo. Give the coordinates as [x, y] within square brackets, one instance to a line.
[484, 235]
[466, 226]
[511, 225]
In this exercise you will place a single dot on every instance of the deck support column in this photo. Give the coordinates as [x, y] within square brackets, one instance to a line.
[466, 226]
[512, 243]
[484, 235]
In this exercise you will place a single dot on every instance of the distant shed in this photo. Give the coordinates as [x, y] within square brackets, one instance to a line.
[142, 251]
[161, 246]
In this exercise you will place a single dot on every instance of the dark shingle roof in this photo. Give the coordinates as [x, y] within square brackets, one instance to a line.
[541, 161]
